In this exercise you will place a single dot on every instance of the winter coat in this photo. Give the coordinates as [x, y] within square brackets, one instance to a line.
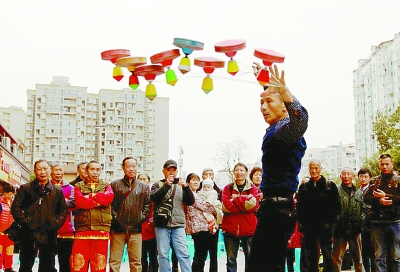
[93, 213]
[239, 218]
[67, 230]
[6, 218]
[182, 196]
[130, 206]
[195, 220]
[384, 214]
[50, 214]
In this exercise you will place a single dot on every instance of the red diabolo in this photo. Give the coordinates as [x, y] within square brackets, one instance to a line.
[268, 57]
[230, 47]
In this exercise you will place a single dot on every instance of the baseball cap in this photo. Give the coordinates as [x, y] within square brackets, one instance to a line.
[170, 163]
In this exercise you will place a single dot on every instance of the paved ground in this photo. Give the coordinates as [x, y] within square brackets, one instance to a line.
[221, 264]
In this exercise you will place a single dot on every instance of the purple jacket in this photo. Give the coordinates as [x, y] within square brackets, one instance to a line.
[67, 230]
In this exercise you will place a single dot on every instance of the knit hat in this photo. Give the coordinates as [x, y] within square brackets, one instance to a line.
[208, 181]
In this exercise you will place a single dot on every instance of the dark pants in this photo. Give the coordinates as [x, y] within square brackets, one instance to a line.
[367, 251]
[28, 253]
[64, 249]
[290, 259]
[149, 256]
[205, 242]
[232, 244]
[269, 242]
[314, 240]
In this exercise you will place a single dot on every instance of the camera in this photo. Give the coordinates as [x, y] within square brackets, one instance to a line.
[176, 180]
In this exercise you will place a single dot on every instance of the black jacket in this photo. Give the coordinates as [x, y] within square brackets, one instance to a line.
[50, 214]
[380, 214]
[130, 208]
[317, 205]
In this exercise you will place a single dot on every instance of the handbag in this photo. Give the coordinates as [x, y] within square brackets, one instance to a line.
[163, 213]
[14, 232]
[296, 238]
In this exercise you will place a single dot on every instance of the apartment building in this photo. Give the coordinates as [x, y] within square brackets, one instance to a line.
[376, 87]
[67, 123]
[333, 158]
[13, 118]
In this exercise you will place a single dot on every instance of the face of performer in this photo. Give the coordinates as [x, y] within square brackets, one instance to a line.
[57, 173]
[130, 168]
[240, 174]
[93, 171]
[347, 177]
[272, 107]
[386, 165]
[42, 172]
[315, 170]
[194, 183]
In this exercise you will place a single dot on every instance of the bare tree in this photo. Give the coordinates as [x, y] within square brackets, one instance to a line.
[230, 153]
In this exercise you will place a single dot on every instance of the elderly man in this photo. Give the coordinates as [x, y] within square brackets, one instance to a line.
[349, 223]
[65, 235]
[384, 196]
[41, 209]
[131, 206]
[283, 147]
[317, 207]
[176, 191]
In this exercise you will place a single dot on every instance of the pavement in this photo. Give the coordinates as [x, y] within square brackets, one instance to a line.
[125, 266]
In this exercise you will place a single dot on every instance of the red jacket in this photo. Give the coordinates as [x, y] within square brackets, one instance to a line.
[6, 218]
[239, 218]
[148, 231]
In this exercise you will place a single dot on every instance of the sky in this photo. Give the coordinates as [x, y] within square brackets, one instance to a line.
[322, 41]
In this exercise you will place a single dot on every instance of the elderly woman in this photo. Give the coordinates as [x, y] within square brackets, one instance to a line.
[197, 226]
[239, 201]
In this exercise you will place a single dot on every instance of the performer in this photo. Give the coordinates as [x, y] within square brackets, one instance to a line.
[283, 147]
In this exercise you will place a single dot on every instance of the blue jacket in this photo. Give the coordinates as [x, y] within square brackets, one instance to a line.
[283, 148]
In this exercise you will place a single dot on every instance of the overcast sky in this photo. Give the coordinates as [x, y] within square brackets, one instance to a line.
[322, 41]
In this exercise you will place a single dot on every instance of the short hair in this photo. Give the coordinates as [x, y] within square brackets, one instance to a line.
[190, 176]
[384, 156]
[39, 161]
[79, 164]
[315, 161]
[253, 171]
[347, 169]
[128, 158]
[363, 171]
[241, 164]
[207, 169]
[9, 189]
[56, 163]
[143, 174]
[89, 163]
